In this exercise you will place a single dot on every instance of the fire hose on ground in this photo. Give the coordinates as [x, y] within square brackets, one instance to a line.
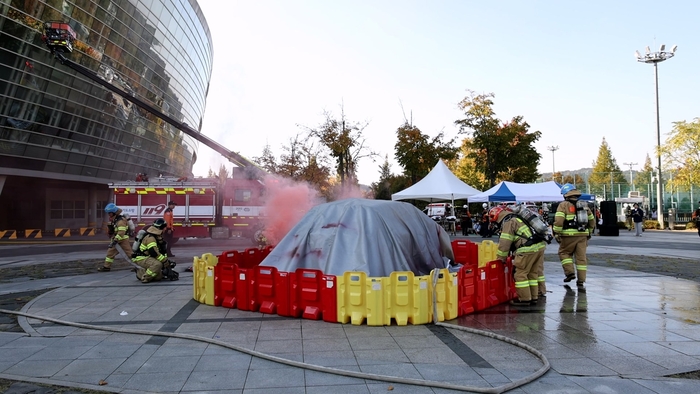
[360, 375]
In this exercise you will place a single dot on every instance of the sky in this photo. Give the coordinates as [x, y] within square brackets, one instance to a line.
[567, 67]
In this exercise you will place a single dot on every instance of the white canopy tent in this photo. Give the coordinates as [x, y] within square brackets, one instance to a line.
[439, 185]
[520, 192]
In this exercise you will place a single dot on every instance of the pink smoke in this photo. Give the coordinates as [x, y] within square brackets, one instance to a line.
[286, 203]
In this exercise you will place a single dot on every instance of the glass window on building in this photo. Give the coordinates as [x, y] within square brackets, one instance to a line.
[67, 209]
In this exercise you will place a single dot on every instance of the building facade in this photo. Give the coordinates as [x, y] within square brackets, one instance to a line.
[63, 138]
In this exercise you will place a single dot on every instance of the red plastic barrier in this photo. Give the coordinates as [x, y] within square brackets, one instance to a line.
[225, 284]
[307, 288]
[245, 280]
[329, 299]
[231, 256]
[265, 290]
[466, 283]
[252, 257]
[481, 287]
[466, 252]
[283, 293]
[495, 273]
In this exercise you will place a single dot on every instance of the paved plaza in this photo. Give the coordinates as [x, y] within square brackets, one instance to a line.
[623, 335]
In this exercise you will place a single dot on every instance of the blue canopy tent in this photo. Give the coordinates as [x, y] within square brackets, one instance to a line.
[520, 192]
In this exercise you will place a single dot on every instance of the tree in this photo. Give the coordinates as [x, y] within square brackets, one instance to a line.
[346, 144]
[681, 151]
[464, 168]
[574, 179]
[382, 188]
[644, 176]
[606, 172]
[501, 150]
[267, 160]
[418, 154]
[301, 161]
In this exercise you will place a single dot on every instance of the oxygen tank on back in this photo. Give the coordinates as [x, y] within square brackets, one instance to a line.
[137, 242]
[531, 218]
[581, 214]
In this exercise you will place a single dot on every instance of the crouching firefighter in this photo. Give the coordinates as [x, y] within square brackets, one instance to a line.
[150, 253]
[527, 248]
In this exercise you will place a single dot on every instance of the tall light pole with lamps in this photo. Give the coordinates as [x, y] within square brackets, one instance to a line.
[655, 58]
[552, 149]
[631, 179]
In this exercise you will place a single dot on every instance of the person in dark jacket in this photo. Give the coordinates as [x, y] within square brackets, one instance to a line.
[638, 219]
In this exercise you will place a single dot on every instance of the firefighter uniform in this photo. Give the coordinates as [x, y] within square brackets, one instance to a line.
[572, 237]
[151, 256]
[516, 237]
[118, 230]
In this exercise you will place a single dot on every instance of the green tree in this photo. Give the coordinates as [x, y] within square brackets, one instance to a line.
[382, 188]
[464, 168]
[643, 177]
[501, 150]
[302, 161]
[346, 144]
[681, 151]
[418, 154]
[606, 173]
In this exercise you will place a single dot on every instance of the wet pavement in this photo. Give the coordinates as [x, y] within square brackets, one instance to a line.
[624, 334]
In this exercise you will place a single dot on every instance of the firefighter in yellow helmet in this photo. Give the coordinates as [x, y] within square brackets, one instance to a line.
[573, 225]
[118, 230]
[528, 251]
[151, 255]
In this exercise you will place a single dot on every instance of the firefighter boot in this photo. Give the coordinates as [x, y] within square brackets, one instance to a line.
[104, 268]
[580, 286]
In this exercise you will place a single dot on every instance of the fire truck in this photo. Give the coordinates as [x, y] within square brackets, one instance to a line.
[205, 208]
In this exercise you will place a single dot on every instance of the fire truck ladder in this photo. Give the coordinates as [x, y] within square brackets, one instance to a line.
[233, 157]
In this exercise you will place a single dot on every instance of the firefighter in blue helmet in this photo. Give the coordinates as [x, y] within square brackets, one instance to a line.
[573, 225]
[118, 230]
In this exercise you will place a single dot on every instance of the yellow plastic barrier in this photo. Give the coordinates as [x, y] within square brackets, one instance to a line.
[487, 252]
[440, 293]
[451, 296]
[203, 282]
[351, 297]
[422, 300]
[400, 296]
[377, 311]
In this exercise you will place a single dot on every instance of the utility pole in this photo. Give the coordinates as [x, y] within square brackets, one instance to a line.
[552, 149]
[631, 179]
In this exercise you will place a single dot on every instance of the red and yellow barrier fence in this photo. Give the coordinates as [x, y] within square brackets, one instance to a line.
[235, 279]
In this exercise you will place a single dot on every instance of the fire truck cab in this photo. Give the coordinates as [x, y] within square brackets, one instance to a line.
[204, 207]
[58, 36]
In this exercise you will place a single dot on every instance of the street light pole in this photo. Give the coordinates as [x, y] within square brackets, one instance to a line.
[552, 149]
[631, 179]
[655, 58]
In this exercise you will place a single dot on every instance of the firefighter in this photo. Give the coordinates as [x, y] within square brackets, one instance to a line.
[150, 255]
[528, 252]
[168, 233]
[573, 225]
[118, 230]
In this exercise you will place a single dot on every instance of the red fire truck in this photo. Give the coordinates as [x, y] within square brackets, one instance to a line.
[204, 208]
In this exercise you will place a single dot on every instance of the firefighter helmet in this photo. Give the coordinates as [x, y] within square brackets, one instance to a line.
[567, 188]
[111, 208]
[159, 224]
[495, 212]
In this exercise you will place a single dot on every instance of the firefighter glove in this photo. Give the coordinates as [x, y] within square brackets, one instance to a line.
[557, 238]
